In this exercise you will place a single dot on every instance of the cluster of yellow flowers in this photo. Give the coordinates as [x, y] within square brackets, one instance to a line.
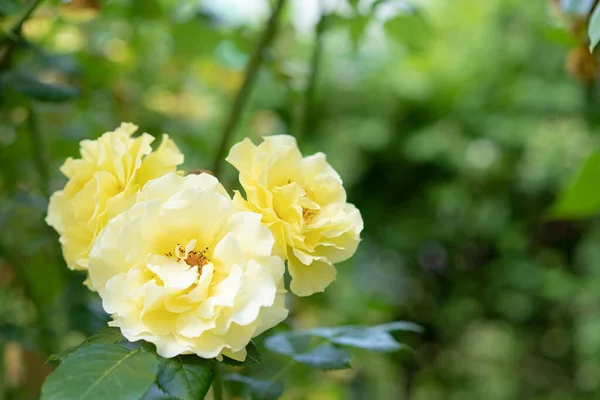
[177, 261]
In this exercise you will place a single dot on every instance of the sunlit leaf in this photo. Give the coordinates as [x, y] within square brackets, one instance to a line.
[100, 372]
[104, 336]
[594, 28]
[581, 199]
[409, 29]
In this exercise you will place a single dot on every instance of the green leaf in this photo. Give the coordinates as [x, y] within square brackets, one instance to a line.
[260, 390]
[29, 85]
[100, 372]
[252, 357]
[156, 393]
[581, 199]
[357, 27]
[594, 28]
[325, 357]
[409, 29]
[9, 7]
[289, 343]
[374, 338]
[185, 377]
[399, 326]
[354, 4]
[296, 345]
[104, 336]
[364, 338]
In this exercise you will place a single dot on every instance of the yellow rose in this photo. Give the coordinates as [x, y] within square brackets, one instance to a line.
[189, 271]
[102, 184]
[303, 202]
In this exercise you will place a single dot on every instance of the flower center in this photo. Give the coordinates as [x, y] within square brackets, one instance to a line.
[191, 256]
[197, 258]
[308, 215]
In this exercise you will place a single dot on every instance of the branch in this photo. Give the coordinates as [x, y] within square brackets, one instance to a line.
[13, 36]
[241, 98]
[308, 114]
[40, 156]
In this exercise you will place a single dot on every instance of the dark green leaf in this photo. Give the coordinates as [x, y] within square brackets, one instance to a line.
[156, 393]
[30, 86]
[252, 357]
[104, 336]
[185, 377]
[326, 357]
[9, 7]
[581, 199]
[100, 372]
[260, 390]
[594, 28]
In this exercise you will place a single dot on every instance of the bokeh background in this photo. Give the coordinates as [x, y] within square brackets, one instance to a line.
[454, 124]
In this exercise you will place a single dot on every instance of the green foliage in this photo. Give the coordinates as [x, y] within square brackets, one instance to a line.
[298, 344]
[325, 356]
[594, 28]
[104, 336]
[102, 371]
[453, 143]
[409, 29]
[577, 7]
[185, 377]
[375, 338]
[28, 85]
[253, 357]
[259, 390]
[581, 199]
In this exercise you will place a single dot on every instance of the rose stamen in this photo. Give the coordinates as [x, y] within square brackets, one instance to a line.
[308, 215]
[197, 258]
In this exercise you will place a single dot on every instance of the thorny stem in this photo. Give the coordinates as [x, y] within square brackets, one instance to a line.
[241, 98]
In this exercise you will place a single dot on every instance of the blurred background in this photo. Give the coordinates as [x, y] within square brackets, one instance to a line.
[454, 124]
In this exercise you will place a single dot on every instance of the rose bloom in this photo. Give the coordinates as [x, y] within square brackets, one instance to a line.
[189, 271]
[303, 202]
[102, 184]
